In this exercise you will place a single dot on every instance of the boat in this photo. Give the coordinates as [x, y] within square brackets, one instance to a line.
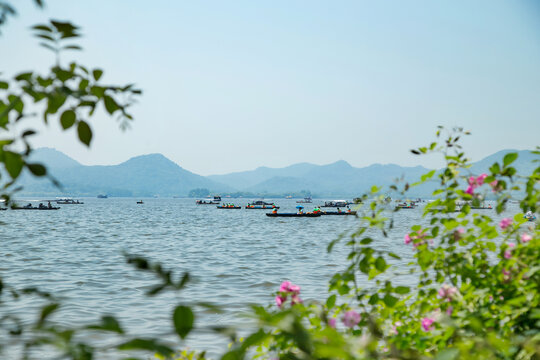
[259, 204]
[140, 202]
[30, 207]
[336, 203]
[228, 206]
[206, 202]
[293, 214]
[307, 200]
[68, 201]
[406, 206]
[102, 196]
[256, 207]
[529, 216]
[351, 212]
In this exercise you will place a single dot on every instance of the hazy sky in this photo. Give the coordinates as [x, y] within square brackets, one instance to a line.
[233, 85]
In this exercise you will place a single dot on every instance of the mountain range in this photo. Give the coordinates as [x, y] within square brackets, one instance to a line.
[154, 174]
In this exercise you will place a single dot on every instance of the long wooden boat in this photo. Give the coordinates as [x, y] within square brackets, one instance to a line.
[293, 215]
[266, 207]
[229, 207]
[339, 213]
[34, 208]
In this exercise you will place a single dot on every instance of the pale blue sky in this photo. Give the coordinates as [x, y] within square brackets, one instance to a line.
[232, 85]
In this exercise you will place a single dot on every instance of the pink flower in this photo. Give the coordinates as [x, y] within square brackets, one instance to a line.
[470, 190]
[351, 318]
[506, 222]
[427, 322]
[507, 254]
[526, 238]
[449, 311]
[285, 286]
[472, 181]
[407, 239]
[461, 230]
[332, 323]
[493, 185]
[295, 289]
[480, 179]
[394, 331]
[447, 292]
[286, 289]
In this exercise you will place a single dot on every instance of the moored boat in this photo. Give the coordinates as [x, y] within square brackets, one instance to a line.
[68, 201]
[351, 212]
[336, 203]
[265, 207]
[228, 206]
[293, 214]
[307, 200]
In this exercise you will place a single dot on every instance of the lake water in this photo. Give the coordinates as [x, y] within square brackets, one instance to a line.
[236, 257]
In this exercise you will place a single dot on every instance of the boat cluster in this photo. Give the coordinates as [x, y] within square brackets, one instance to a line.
[262, 205]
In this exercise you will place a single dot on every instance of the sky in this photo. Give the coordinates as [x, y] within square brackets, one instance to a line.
[234, 85]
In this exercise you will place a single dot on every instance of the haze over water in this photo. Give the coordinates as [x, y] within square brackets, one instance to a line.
[236, 257]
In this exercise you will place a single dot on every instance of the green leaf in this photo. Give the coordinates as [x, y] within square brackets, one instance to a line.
[67, 119]
[85, 133]
[4, 85]
[97, 74]
[42, 28]
[509, 158]
[71, 47]
[380, 264]
[13, 163]
[183, 320]
[331, 301]
[390, 300]
[46, 311]
[402, 290]
[110, 104]
[108, 323]
[146, 344]
[37, 169]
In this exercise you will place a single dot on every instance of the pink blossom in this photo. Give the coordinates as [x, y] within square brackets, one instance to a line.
[506, 222]
[407, 239]
[526, 237]
[461, 230]
[493, 185]
[394, 331]
[447, 292]
[480, 179]
[505, 272]
[449, 310]
[427, 322]
[285, 286]
[332, 323]
[351, 318]
[507, 254]
[470, 190]
[295, 289]
[472, 181]
[286, 289]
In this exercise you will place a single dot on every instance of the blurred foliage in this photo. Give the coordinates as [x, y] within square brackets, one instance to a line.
[475, 293]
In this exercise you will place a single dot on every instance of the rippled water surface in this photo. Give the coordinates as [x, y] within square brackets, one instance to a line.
[237, 257]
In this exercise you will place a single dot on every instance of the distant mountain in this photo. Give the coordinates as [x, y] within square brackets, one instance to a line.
[53, 158]
[339, 179]
[142, 176]
[154, 174]
[342, 179]
[247, 179]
